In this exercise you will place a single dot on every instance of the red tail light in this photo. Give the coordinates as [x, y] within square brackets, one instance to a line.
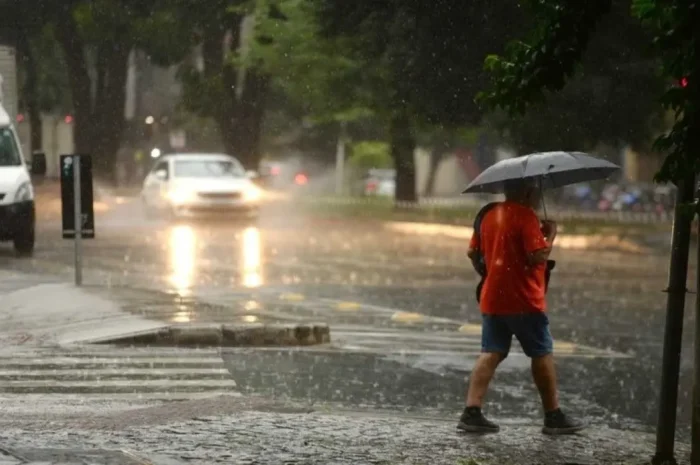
[301, 179]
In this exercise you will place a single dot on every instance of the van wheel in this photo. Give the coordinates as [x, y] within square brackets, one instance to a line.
[24, 242]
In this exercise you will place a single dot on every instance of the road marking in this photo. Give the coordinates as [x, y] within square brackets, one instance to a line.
[292, 297]
[408, 317]
[471, 329]
[348, 306]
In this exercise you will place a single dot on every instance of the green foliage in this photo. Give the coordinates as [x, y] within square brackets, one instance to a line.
[427, 56]
[530, 71]
[677, 37]
[611, 99]
[318, 75]
[52, 74]
[370, 154]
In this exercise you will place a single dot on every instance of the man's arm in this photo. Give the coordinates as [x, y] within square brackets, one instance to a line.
[539, 242]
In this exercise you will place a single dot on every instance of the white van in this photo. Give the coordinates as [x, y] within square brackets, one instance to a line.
[17, 214]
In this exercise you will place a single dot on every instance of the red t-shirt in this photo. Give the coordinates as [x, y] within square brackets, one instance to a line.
[509, 233]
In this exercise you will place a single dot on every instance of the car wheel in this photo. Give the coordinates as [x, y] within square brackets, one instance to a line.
[24, 241]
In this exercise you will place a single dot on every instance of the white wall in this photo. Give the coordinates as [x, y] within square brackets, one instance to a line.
[58, 140]
[450, 178]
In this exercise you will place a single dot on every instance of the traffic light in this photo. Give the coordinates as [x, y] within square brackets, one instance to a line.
[683, 82]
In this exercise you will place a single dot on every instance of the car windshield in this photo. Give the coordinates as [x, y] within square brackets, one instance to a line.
[9, 152]
[208, 169]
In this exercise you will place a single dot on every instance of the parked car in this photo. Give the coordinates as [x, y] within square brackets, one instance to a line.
[380, 182]
[187, 185]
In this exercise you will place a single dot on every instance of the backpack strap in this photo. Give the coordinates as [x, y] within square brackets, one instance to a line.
[479, 264]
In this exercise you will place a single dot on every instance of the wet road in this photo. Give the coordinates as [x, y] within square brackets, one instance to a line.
[401, 307]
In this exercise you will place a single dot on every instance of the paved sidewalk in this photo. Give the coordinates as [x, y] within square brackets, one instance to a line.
[38, 311]
[275, 436]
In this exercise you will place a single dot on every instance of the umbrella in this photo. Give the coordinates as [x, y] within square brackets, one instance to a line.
[551, 169]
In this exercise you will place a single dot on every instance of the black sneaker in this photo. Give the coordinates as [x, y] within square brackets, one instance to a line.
[473, 421]
[557, 423]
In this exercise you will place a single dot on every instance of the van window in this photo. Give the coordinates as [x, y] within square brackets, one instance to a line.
[9, 151]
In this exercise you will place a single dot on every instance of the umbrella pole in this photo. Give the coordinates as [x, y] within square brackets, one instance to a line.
[544, 205]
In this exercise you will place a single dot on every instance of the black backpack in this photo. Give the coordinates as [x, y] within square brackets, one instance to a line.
[479, 262]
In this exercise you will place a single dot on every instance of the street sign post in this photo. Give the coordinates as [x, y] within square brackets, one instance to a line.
[77, 203]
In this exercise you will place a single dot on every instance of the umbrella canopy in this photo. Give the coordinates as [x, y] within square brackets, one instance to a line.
[551, 169]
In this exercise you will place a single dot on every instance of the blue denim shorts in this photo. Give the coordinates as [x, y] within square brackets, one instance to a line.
[531, 330]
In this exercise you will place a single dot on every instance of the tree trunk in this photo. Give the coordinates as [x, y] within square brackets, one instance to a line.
[435, 160]
[99, 122]
[108, 112]
[72, 44]
[241, 123]
[403, 146]
[31, 93]
[240, 100]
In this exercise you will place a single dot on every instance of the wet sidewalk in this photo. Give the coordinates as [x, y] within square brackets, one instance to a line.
[270, 435]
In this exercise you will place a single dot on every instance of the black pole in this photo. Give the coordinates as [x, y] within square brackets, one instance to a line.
[695, 422]
[675, 303]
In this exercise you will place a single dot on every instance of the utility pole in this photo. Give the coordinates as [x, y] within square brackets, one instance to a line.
[675, 303]
[340, 159]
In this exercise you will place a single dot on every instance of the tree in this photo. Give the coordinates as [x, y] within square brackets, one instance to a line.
[612, 98]
[44, 80]
[22, 25]
[97, 38]
[530, 71]
[425, 59]
[227, 85]
[315, 81]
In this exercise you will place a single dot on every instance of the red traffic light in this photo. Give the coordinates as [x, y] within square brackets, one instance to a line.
[684, 82]
[68, 119]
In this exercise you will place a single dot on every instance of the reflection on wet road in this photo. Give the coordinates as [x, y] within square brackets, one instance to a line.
[401, 306]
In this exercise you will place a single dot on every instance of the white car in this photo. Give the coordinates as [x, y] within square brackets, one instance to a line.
[17, 210]
[186, 185]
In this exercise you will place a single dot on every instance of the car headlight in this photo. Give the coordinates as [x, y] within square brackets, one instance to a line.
[252, 194]
[24, 192]
[180, 196]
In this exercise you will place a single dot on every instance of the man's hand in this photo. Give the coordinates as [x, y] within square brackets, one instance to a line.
[549, 229]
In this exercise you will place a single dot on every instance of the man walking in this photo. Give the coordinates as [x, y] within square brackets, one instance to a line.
[515, 248]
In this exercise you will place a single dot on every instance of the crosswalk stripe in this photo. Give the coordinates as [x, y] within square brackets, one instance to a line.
[111, 373]
[99, 361]
[442, 343]
[117, 383]
[159, 374]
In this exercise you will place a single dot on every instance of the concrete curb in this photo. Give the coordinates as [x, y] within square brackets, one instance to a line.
[218, 335]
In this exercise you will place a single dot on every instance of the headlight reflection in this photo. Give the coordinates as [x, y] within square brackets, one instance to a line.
[182, 258]
[252, 258]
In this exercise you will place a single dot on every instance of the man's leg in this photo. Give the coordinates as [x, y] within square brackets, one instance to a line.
[482, 373]
[545, 376]
[495, 345]
[532, 331]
